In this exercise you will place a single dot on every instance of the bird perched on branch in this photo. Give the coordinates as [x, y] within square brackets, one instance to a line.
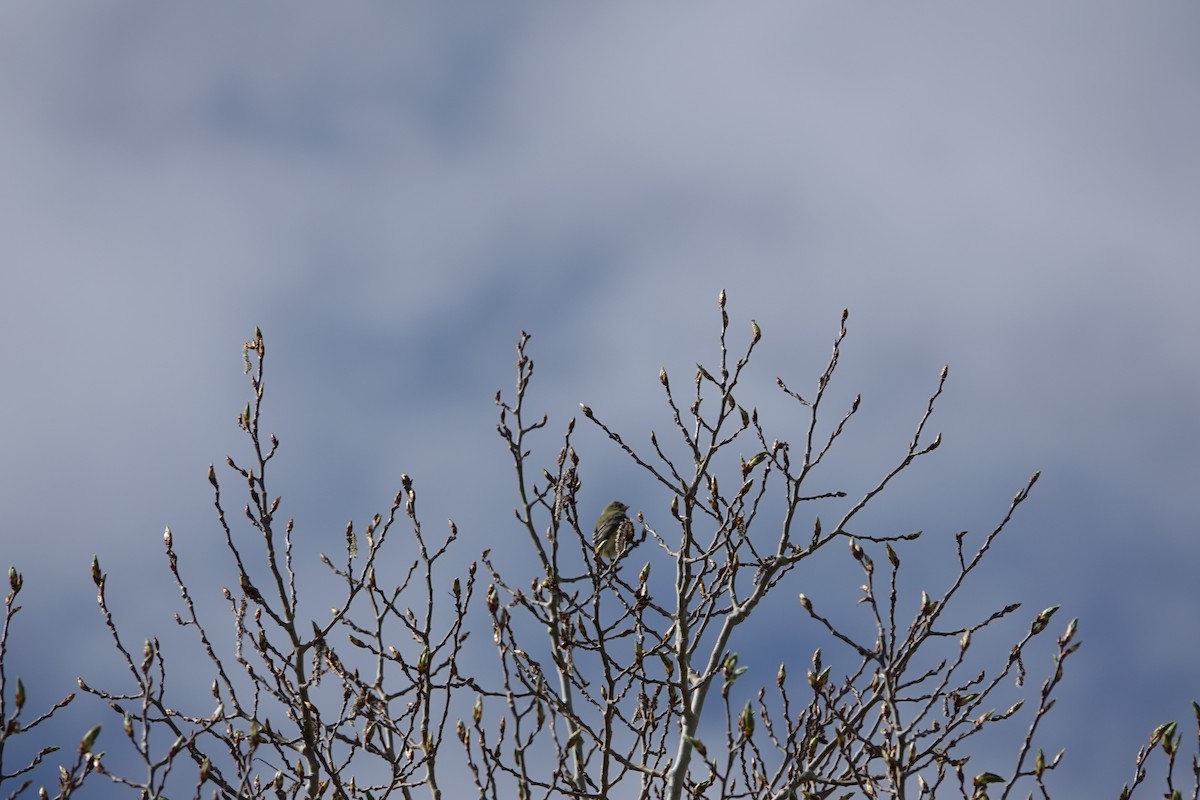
[609, 529]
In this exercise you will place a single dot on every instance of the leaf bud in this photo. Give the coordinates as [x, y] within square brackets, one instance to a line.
[746, 721]
[1042, 620]
[856, 550]
[89, 739]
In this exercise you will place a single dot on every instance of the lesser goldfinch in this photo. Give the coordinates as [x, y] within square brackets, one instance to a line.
[608, 529]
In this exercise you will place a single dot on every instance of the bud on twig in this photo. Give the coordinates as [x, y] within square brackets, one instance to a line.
[89, 739]
[492, 600]
[746, 721]
[1042, 620]
[147, 656]
[1069, 634]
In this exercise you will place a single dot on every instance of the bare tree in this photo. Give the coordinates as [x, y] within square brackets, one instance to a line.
[70, 776]
[633, 668]
[609, 677]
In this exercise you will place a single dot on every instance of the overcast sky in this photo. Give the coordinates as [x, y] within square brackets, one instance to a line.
[394, 193]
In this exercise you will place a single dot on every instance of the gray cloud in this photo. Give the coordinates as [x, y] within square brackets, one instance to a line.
[394, 195]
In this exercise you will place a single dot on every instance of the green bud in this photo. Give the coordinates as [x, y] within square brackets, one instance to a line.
[89, 739]
[984, 778]
[746, 721]
[1042, 620]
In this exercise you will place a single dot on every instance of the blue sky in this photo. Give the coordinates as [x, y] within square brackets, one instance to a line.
[394, 193]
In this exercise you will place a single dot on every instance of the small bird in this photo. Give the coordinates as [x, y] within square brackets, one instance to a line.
[608, 529]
